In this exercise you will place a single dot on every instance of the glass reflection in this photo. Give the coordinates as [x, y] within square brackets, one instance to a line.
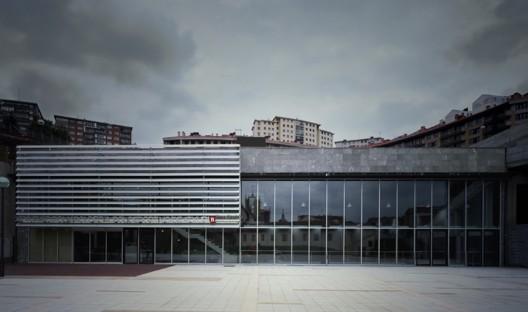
[231, 245]
[265, 245]
[457, 202]
[180, 245]
[249, 202]
[474, 248]
[335, 245]
[406, 246]
[370, 246]
[300, 203]
[474, 204]
[491, 248]
[197, 245]
[248, 246]
[318, 246]
[65, 246]
[266, 202]
[335, 203]
[283, 212]
[353, 202]
[300, 246]
[98, 246]
[439, 247]
[423, 203]
[130, 238]
[406, 203]
[440, 203]
[113, 247]
[370, 203]
[51, 246]
[388, 203]
[318, 203]
[282, 246]
[423, 247]
[388, 246]
[457, 247]
[352, 246]
[146, 246]
[163, 245]
[82, 247]
[214, 246]
[491, 204]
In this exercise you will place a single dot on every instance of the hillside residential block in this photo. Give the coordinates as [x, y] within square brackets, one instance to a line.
[291, 130]
[90, 132]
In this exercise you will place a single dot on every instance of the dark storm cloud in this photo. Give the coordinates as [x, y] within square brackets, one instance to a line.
[505, 38]
[95, 36]
[112, 61]
[58, 93]
[359, 68]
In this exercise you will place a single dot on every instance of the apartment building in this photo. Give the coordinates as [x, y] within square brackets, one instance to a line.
[490, 115]
[17, 117]
[292, 130]
[359, 143]
[89, 132]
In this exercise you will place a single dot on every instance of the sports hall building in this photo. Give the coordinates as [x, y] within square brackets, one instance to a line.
[226, 204]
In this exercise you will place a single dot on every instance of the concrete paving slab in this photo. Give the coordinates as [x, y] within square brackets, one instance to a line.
[275, 288]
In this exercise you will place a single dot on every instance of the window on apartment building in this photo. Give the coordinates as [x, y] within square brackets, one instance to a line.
[522, 203]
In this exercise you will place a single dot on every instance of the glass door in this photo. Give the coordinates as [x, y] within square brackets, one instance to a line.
[146, 246]
[130, 246]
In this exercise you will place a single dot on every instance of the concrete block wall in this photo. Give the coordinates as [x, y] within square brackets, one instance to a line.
[373, 160]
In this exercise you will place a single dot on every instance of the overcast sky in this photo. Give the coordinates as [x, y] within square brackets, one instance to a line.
[359, 68]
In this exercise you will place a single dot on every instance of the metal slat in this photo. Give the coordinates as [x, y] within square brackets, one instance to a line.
[69, 181]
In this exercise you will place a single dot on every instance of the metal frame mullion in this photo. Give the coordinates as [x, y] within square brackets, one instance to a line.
[465, 223]
[361, 226]
[343, 226]
[502, 198]
[309, 222]
[274, 225]
[326, 223]
[431, 200]
[482, 205]
[379, 221]
[291, 222]
[222, 246]
[397, 222]
[414, 222]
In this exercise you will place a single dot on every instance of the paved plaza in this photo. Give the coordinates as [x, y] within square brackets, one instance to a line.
[274, 288]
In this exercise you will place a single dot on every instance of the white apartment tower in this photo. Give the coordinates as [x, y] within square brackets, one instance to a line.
[291, 130]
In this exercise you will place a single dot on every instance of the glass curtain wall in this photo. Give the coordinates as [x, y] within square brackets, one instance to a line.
[403, 222]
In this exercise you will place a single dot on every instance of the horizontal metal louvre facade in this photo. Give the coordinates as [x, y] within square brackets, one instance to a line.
[128, 185]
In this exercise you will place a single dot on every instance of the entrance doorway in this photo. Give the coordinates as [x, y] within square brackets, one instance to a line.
[130, 246]
[146, 246]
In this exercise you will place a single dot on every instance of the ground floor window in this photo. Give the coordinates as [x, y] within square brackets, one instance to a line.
[269, 245]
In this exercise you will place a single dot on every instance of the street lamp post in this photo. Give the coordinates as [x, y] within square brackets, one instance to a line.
[4, 183]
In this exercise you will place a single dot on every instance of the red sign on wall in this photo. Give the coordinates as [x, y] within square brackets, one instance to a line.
[212, 219]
